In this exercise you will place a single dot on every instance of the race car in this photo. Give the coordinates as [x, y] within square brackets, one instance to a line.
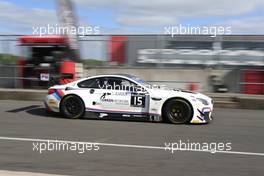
[128, 96]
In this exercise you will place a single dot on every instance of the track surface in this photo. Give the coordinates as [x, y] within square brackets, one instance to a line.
[243, 128]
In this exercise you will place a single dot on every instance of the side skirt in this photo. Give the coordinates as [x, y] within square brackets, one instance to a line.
[122, 116]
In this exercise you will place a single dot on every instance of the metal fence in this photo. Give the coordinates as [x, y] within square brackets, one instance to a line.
[233, 54]
[161, 51]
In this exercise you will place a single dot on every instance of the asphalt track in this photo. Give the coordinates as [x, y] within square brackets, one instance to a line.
[129, 148]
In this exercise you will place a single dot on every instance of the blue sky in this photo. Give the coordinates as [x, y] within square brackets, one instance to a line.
[47, 4]
[138, 16]
[132, 17]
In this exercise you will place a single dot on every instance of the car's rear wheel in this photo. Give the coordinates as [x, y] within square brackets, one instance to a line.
[72, 107]
[177, 111]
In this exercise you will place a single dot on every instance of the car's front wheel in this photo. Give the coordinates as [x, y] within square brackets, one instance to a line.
[177, 111]
[72, 107]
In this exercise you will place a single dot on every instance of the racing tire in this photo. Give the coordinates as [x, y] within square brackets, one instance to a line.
[177, 111]
[72, 107]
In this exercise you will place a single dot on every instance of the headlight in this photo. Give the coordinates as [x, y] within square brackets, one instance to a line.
[205, 102]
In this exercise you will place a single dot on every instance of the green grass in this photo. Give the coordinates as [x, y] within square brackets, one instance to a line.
[8, 59]
[92, 62]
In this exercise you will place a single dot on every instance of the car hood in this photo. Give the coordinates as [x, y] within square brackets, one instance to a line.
[176, 92]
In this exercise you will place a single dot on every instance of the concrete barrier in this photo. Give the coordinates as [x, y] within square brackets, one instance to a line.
[232, 100]
[225, 100]
[174, 78]
[22, 94]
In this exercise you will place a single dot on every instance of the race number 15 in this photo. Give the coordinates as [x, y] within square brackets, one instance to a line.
[138, 100]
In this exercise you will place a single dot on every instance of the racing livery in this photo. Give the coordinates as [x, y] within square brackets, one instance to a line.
[128, 96]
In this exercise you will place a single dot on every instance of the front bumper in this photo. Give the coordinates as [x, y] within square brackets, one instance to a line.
[202, 110]
[202, 115]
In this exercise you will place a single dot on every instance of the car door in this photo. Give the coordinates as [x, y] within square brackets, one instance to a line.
[91, 91]
[123, 96]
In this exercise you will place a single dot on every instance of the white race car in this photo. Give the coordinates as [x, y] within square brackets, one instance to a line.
[129, 97]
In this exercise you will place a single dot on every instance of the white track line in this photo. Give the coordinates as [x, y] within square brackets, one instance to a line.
[126, 145]
[23, 173]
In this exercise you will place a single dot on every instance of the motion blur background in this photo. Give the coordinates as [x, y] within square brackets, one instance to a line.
[131, 39]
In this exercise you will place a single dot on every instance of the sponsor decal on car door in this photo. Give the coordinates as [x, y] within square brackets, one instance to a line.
[125, 102]
[115, 100]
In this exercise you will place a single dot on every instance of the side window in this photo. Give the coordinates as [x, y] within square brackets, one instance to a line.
[129, 86]
[114, 83]
[95, 83]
